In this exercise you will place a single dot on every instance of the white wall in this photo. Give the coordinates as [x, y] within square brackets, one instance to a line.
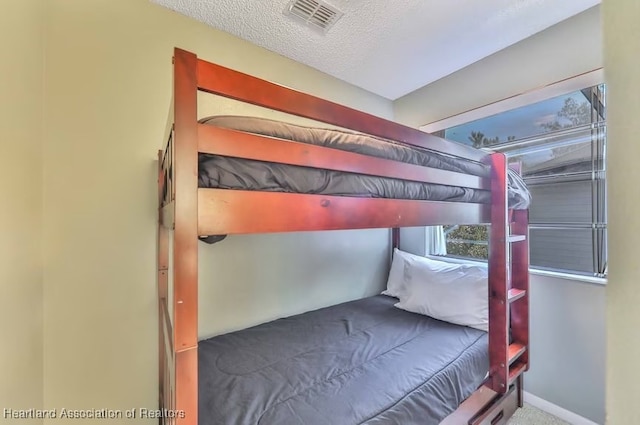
[567, 335]
[567, 316]
[108, 90]
[622, 73]
[21, 94]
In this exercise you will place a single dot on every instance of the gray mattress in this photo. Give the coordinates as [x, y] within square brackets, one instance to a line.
[361, 362]
[233, 173]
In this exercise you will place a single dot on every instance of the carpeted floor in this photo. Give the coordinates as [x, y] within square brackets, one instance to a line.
[529, 415]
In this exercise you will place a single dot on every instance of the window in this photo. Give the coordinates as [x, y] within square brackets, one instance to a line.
[560, 146]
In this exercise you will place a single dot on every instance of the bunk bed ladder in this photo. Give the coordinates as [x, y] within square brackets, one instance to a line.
[518, 299]
[508, 286]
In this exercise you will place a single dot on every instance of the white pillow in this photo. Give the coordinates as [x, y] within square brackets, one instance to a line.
[401, 266]
[396, 279]
[455, 294]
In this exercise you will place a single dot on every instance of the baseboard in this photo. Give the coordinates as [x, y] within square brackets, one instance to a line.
[557, 411]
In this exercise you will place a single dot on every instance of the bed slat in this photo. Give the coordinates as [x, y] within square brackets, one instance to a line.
[238, 144]
[226, 82]
[223, 211]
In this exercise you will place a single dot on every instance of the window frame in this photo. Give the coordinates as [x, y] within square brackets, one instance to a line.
[580, 82]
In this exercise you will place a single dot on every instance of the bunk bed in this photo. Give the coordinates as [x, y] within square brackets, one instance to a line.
[215, 173]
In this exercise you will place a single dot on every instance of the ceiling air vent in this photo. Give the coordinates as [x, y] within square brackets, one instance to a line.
[315, 13]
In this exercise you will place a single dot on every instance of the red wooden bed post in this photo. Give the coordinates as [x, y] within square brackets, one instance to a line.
[395, 238]
[498, 276]
[185, 250]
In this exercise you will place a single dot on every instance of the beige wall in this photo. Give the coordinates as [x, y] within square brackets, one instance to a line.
[21, 95]
[622, 74]
[108, 84]
[567, 49]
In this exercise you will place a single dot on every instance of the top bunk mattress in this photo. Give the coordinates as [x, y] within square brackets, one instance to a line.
[244, 174]
[361, 362]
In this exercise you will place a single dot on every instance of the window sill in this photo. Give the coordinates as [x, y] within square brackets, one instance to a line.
[533, 271]
[569, 276]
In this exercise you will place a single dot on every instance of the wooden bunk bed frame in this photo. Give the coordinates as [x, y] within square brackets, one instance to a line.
[191, 212]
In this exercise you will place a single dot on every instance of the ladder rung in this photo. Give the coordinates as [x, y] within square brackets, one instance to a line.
[515, 351]
[515, 371]
[516, 294]
[517, 238]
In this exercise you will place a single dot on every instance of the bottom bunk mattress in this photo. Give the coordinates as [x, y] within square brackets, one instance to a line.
[361, 362]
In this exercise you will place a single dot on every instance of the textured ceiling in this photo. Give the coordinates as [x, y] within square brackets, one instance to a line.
[389, 47]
